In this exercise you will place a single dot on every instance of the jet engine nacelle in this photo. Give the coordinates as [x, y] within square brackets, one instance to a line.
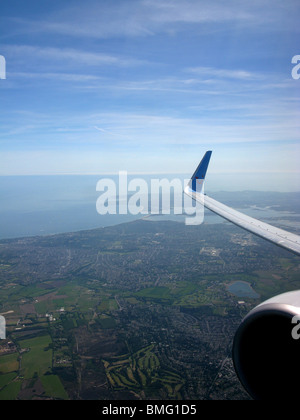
[266, 349]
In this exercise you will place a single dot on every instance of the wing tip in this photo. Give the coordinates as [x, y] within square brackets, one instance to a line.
[200, 172]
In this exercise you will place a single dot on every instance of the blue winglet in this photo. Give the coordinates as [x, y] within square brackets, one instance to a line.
[200, 172]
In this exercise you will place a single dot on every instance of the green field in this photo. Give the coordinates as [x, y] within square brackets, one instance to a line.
[128, 310]
[38, 357]
[35, 363]
[9, 363]
[53, 387]
[10, 392]
[6, 379]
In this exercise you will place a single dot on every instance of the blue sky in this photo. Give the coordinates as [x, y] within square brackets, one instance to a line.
[149, 86]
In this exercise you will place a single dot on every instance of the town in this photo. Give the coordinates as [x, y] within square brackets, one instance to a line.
[134, 311]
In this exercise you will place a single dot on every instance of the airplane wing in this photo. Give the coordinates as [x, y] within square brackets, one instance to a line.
[273, 234]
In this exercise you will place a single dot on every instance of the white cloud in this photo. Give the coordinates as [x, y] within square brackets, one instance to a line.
[225, 73]
[195, 11]
[71, 57]
[104, 19]
[64, 77]
[97, 97]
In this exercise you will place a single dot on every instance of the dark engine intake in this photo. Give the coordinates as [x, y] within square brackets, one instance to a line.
[266, 349]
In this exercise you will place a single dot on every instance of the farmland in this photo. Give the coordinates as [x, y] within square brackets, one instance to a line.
[136, 311]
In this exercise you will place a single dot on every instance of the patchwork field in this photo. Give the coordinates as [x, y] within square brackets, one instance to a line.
[136, 311]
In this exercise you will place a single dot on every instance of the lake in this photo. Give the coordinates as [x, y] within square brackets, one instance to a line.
[242, 289]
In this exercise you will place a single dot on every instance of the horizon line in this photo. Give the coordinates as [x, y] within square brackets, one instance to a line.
[149, 173]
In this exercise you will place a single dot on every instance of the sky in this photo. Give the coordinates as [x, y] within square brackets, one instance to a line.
[148, 86]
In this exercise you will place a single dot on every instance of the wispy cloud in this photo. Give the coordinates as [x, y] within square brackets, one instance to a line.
[63, 77]
[122, 81]
[221, 73]
[99, 19]
[67, 56]
[193, 11]
[150, 130]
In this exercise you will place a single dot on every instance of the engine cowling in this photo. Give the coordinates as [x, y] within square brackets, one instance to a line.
[266, 349]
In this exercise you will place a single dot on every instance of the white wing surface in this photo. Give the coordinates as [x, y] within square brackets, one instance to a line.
[273, 234]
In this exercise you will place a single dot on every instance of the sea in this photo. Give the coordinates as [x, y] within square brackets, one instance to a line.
[46, 205]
